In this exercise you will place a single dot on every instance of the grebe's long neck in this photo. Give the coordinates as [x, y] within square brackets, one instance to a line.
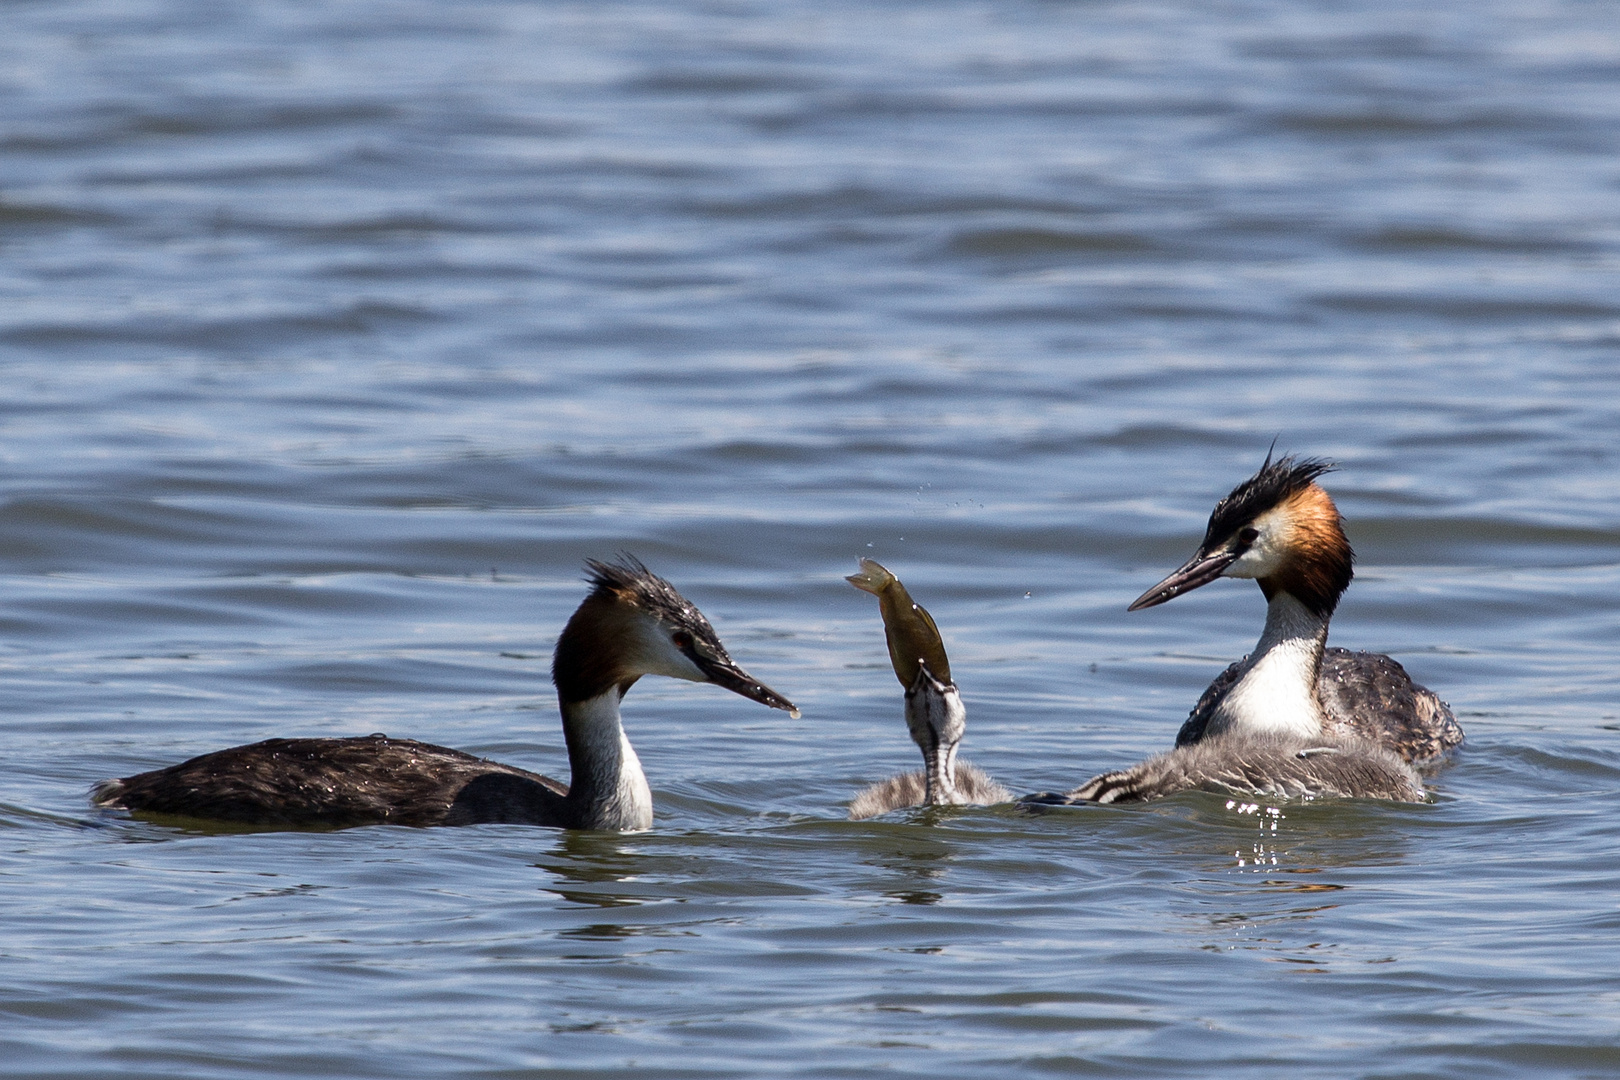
[606, 786]
[940, 768]
[937, 719]
[1277, 690]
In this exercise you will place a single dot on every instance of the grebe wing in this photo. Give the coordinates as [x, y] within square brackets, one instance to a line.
[508, 796]
[1371, 696]
[319, 783]
[1193, 730]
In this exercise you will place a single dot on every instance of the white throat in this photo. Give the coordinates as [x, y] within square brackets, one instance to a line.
[1276, 691]
[607, 783]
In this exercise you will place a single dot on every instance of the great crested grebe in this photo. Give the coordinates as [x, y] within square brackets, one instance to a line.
[633, 623]
[934, 711]
[1281, 529]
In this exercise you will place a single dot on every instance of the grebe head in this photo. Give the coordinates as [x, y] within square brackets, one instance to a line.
[634, 623]
[1278, 527]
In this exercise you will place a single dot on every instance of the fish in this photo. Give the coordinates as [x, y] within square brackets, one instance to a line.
[914, 640]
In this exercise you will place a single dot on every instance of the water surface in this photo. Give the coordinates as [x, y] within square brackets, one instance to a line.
[335, 337]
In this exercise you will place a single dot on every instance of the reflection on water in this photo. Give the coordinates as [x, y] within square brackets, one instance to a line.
[605, 931]
[587, 865]
[914, 866]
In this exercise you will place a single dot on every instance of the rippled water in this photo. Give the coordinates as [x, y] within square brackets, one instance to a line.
[336, 336]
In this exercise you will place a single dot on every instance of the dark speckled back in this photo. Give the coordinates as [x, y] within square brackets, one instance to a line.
[330, 783]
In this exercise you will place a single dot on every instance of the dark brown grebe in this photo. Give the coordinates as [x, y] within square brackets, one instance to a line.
[934, 712]
[1281, 529]
[633, 623]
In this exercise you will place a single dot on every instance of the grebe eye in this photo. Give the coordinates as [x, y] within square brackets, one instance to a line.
[1247, 536]
[683, 641]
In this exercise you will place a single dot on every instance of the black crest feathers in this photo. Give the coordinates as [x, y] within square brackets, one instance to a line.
[1274, 483]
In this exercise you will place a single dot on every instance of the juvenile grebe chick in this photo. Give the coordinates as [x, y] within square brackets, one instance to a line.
[1281, 529]
[935, 715]
[633, 623]
[1276, 765]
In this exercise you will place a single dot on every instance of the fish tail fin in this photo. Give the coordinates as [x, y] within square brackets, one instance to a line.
[873, 578]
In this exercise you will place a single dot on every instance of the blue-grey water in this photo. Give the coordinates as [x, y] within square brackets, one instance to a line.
[334, 337]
